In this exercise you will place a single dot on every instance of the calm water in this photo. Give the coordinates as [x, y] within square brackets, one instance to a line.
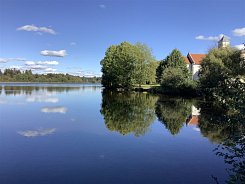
[79, 134]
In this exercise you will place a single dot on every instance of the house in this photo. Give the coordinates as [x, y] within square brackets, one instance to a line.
[193, 61]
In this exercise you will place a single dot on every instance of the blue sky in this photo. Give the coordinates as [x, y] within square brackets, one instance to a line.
[34, 32]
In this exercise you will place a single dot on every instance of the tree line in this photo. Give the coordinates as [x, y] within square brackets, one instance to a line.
[126, 66]
[15, 75]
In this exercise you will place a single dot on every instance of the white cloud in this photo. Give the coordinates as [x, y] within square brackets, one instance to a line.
[16, 67]
[240, 47]
[60, 53]
[102, 6]
[48, 62]
[73, 43]
[210, 38]
[239, 31]
[37, 67]
[5, 60]
[54, 110]
[28, 63]
[51, 70]
[36, 29]
[36, 133]
[87, 73]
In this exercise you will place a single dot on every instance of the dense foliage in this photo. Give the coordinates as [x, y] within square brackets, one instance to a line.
[13, 75]
[220, 69]
[174, 76]
[126, 65]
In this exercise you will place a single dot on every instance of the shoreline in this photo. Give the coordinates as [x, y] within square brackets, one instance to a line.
[46, 83]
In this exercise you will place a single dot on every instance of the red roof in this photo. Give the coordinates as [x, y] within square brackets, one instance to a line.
[193, 121]
[196, 58]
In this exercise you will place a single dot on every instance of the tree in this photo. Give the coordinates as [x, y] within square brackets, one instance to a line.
[174, 59]
[14, 75]
[218, 68]
[125, 65]
[174, 76]
[146, 65]
[118, 66]
[159, 71]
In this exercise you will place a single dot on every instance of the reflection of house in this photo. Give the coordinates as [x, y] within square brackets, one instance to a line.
[193, 119]
[194, 61]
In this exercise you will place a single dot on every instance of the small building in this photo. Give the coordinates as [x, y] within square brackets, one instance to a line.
[223, 42]
[193, 62]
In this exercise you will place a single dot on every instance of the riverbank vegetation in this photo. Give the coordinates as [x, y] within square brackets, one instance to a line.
[127, 67]
[174, 77]
[14, 75]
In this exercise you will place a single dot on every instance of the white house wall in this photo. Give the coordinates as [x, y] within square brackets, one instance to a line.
[195, 71]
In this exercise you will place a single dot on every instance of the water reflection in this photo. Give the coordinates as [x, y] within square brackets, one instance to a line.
[29, 90]
[128, 112]
[227, 130]
[36, 133]
[134, 113]
[59, 109]
[174, 113]
[42, 98]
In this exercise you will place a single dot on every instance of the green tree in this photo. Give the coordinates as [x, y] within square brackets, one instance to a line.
[126, 65]
[174, 76]
[14, 75]
[159, 71]
[174, 59]
[219, 68]
[128, 112]
[118, 66]
[145, 70]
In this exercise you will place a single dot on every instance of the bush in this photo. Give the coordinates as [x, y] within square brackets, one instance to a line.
[176, 81]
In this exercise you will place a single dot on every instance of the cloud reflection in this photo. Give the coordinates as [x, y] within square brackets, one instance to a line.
[42, 98]
[60, 109]
[36, 133]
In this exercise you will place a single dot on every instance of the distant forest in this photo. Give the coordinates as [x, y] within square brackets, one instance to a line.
[14, 75]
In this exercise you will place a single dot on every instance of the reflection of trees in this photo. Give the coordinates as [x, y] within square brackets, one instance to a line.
[228, 130]
[128, 112]
[173, 112]
[28, 90]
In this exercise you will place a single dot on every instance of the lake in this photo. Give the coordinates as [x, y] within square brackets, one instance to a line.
[72, 133]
